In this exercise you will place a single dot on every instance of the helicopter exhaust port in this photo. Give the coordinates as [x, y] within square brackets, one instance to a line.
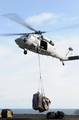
[25, 51]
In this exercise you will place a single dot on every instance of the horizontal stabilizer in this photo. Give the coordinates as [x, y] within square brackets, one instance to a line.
[73, 58]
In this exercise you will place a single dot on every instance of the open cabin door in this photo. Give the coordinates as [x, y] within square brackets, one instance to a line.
[43, 44]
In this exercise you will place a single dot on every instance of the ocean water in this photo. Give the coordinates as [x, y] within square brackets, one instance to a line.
[31, 111]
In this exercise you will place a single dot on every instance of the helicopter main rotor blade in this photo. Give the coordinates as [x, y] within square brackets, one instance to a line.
[19, 20]
[14, 34]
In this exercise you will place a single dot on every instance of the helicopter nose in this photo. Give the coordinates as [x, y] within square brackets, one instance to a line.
[17, 41]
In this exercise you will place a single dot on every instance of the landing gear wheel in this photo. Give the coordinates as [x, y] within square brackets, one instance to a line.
[25, 52]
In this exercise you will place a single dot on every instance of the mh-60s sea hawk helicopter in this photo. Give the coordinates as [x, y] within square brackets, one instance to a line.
[36, 42]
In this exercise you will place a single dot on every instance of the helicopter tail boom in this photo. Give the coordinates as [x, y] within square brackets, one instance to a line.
[70, 58]
[73, 58]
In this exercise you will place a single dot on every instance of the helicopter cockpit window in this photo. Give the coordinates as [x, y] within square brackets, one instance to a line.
[43, 45]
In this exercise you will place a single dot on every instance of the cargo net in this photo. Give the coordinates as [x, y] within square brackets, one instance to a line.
[40, 102]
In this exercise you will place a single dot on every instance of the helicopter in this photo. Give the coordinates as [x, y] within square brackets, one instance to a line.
[36, 42]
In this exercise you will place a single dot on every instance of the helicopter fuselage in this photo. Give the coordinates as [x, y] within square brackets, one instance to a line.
[37, 44]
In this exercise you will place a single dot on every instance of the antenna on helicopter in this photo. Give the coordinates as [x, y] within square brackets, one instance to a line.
[70, 49]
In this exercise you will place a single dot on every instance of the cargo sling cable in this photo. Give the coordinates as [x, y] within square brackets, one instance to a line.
[40, 102]
[41, 87]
